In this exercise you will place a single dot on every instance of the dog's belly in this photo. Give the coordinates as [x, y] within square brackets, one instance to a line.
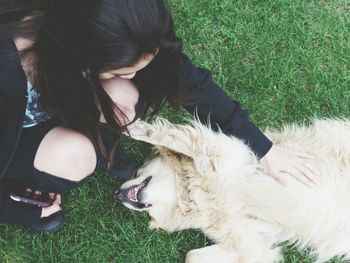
[322, 212]
[317, 216]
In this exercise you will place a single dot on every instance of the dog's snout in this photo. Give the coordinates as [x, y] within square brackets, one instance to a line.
[120, 195]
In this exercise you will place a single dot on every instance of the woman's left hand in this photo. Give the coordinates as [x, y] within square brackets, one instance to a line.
[280, 161]
[54, 207]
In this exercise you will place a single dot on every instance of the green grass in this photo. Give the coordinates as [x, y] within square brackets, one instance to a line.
[284, 60]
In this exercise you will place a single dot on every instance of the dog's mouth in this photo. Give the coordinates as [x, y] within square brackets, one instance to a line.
[133, 194]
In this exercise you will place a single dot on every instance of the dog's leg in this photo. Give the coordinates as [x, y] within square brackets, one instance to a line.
[211, 254]
[251, 240]
[179, 138]
[208, 149]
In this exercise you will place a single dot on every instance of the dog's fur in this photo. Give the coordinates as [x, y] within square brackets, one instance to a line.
[206, 180]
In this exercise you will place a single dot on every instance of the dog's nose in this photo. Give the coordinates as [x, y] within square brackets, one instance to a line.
[120, 195]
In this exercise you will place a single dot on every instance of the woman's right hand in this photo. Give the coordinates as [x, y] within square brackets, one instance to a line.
[280, 162]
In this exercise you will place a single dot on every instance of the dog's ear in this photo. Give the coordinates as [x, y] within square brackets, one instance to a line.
[205, 162]
[176, 160]
[155, 152]
[185, 208]
[185, 204]
[164, 151]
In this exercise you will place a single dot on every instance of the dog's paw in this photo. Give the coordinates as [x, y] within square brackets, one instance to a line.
[211, 254]
[139, 130]
[153, 225]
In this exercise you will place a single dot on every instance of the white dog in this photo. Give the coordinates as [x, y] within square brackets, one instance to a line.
[206, 180]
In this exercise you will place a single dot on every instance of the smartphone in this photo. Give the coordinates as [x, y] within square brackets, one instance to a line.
[21, 195]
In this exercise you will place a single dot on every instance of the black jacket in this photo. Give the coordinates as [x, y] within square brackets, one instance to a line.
[13, 91]
[210, 99]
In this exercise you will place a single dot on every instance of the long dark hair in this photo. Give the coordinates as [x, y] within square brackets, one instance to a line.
[98, 35]
[13, 11]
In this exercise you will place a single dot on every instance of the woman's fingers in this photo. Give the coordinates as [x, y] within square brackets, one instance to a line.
[280, 161]
[307, 170]
[47, 211]
[303, 176]
[52, 196]
[279, 178]
[55, 207]
[312, 169]
[57, 200]
[304, 155]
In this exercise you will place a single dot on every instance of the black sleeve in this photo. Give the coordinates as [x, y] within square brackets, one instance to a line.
[2, 113]
[210, 101]
[2, 106]
[14, 212]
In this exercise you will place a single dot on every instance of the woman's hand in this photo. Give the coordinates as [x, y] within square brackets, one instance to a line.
[280, 161]
[21, 213]
[55, 207]
[55, 204]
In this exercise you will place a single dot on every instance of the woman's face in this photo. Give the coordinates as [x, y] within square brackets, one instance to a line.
[128, 72]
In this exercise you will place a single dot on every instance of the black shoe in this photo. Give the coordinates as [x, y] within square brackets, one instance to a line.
[49, 224]
[123, 168]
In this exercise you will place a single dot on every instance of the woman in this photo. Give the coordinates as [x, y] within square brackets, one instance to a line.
[67, 67]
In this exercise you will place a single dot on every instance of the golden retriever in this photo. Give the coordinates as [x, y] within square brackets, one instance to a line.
[201, 179]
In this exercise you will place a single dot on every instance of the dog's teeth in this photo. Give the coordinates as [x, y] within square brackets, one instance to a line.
[133, 195]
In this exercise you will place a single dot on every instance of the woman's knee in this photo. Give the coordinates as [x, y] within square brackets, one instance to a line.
[125, 95]
[67, 154]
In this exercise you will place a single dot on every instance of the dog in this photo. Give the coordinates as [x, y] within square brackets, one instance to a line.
[206, 180]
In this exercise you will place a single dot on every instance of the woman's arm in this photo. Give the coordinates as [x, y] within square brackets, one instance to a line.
[210, 101]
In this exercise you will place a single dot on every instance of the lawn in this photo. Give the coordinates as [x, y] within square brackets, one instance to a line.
[284, 60]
